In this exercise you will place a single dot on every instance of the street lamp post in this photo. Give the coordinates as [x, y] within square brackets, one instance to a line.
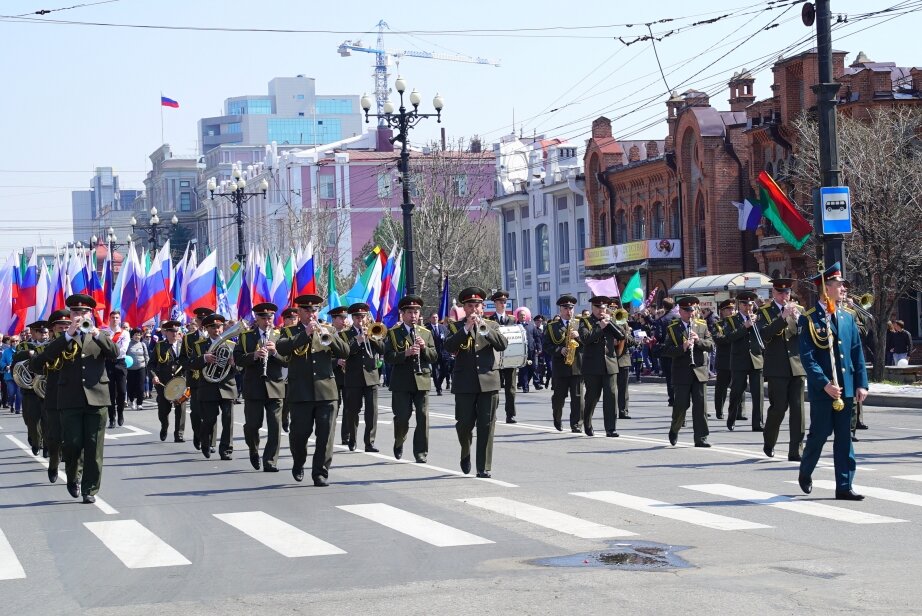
[402, 122]
[152, 226]
[234, 190]
[111, 243]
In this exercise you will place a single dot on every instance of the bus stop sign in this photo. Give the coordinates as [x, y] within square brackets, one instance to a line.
[835, 209]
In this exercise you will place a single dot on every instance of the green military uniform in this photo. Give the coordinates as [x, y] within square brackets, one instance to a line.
[312, 392]
[722, 361]
[566, 380]
[31, 403]
[166, 366]
[263, 392]
[507, 376]
[746, 363]
[194, 378]
[411, 379]
[786, 378]
[690, 372]
[215, 398]
[600, 368]
[83, 399]
[360, 382]
[339, 374]
[623, 351]
[475, 384]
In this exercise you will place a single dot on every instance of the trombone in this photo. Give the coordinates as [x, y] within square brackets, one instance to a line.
[862, 306]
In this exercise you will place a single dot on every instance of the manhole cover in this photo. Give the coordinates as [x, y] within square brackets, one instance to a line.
[632, 556]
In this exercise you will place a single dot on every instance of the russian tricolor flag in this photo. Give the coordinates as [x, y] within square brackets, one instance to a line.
[168, 102]
[202, 289]
[304, 282]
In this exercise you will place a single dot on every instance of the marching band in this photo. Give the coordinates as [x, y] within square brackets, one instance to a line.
[306, 370]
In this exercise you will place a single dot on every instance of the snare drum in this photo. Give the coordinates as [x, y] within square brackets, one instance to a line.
[175, 389]
[516, 354]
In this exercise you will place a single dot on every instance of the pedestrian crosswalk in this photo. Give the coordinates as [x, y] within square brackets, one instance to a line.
[468, 523]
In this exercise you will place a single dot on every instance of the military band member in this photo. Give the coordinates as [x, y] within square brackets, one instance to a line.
[289, 319]
[847, 305]
[51, 415]
[726, 309]
[829, 336]
[475, 378]
[82, 395]
[688, 342]
[507, 376]
[166, 366]
[312, 391]
[623, 350]
[338, 321]
[599, 338]
[31, 403]
[263, 386]
[782, 369]
[193, 376]
[362, 378]
[410, 349]
[216, 398]
[746, 348]
[566, 378]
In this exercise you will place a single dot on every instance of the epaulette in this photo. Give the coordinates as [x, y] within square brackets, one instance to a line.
[850, 310]
[673, 323]
[810, 311]
[700, 322]
[396, 327]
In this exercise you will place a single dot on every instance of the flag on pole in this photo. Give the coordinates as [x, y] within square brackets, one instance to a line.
[168, 102]
[749, 215]
[202, 287]
[792, 226]
[633, 292]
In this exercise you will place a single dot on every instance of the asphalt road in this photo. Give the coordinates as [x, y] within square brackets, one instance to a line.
[175, 533]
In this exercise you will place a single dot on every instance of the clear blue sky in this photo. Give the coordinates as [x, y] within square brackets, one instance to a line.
[82, 96]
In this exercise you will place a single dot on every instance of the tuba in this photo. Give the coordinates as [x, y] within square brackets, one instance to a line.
[23, 377]
[223, 349]
[40, 385]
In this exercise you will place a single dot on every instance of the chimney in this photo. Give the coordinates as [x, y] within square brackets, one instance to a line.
[633, 155]
[652, 150]
[741, 90]
[916, 79]
[476, 147]
[601, 128]
[673, 105]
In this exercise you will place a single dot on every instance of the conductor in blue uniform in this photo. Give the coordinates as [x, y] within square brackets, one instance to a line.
[832, 401]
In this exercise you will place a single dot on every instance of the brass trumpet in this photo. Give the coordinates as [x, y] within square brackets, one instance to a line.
[376, 331]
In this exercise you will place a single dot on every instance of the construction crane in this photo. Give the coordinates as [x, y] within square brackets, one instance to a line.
[385, 56]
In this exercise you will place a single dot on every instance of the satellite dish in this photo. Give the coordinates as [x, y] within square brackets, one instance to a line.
[808, 14]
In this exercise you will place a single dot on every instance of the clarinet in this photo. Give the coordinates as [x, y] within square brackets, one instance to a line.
[419, 363]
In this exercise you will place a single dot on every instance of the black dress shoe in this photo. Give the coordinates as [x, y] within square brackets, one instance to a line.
[111, 423]
[297, 473]
[398, 451]
[848, 494]
[35, 451]
[466, 464]
[702, 443]
[163, 432]
[371, 449]
[438, 393]
[421, 460]
[539, 387]
[226, 456]
[806, 483]
[769, 451]
[483, 475]
[794, 458]
[612, 434]
[730, 423]
[673, 438]
[511, 420]
[121, 419]
[576, 429]
[854, 438]
[53, 475]
[179, 439]
[45, 453]
[268, 468]
[285, 426]
[196, 443]
[351, 445]
[558, 425]
[861, 426]
[320, 482]
[758, 429]
[623, 416]
[589, 431]
[213, 449]
[254, 460]
[206, 451]
[73, 489]
[742, 417]
[720, 415]
[88, 499]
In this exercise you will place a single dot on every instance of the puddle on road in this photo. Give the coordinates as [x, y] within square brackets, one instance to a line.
[626, 555]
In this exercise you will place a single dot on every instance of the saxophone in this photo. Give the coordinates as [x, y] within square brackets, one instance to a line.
[572, 344]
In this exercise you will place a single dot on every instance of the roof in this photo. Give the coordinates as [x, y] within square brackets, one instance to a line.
[713, 123]
[721, 282]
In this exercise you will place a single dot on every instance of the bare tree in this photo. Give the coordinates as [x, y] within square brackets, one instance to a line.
[881, 163]
[455, 232]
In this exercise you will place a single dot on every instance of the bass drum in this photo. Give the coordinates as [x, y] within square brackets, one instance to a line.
[516, 354]
[175, 389]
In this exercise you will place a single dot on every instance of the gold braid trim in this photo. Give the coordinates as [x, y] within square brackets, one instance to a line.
[821, 342]
[73, 354]
[163, 359]
[550, 334]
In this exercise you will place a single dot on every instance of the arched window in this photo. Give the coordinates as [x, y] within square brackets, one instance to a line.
[621, 228]
[542, 249]
[640, 223]
[659, 222]
[701, 233]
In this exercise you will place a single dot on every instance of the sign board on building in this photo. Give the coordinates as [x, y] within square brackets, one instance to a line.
[836, 209]
[632, 251]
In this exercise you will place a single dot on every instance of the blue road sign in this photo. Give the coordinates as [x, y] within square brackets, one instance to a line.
[836, 209]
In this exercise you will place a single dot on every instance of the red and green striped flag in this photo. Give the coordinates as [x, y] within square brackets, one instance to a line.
[775, 205]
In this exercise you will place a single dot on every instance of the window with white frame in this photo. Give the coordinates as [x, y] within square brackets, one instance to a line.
[459, 184]
[327, 186]
[384, 185]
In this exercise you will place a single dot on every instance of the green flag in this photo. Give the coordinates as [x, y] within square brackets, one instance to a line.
[633, 292]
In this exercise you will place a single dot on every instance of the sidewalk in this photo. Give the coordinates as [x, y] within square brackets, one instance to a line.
[880, 394]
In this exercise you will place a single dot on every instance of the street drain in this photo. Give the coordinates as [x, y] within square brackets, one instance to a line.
[631, 556]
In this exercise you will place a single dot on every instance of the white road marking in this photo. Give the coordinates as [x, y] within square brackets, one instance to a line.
[277, 535]
[135, 545]
[10, 567]
[546, 518]
[416, 526]
[906, 498]
[102, 505]
[909, 477]
[673, 512]
[132, 431]
[787, 503]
